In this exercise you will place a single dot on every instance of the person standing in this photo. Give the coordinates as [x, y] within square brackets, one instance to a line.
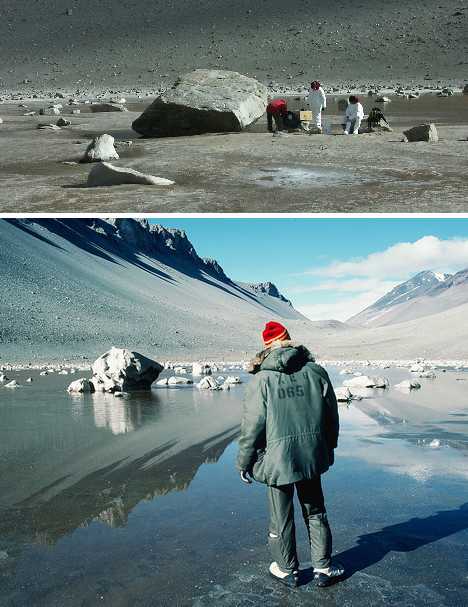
[317, 102]
[276, 110]
[289, 432]
[353, 117]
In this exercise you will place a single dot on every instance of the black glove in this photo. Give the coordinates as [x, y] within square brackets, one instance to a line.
[246, 477]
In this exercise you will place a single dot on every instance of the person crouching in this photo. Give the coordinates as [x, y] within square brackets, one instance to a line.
[276, 110]
[353, 117]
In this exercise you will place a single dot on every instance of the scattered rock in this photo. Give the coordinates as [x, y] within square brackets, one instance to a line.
[121, 370]
[208, 383]
[50, 127]
[201, 369]
[61, 122]
[174, 381]
[101, 149]
[3, 378]
[76, 111]
[53, 110]
[204, 101]
[106, 174]
[408, 384]
[427, 374]
[423, 132]
[107, 107]
[343, 394]
[364, 381]
[29, 380]
[233, 380]
[435, 443]
[12, 384]
[81, 386]
[1, 120]
[382, 99]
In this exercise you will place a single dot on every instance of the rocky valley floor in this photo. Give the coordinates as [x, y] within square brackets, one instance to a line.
[251, 171]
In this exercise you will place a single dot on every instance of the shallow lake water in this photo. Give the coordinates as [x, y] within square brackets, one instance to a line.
[136, 500]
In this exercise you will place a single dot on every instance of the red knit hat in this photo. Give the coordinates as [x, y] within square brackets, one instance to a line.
[274, 331]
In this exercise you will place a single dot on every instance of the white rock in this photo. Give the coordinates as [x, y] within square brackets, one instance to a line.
[346, 372]
[201, 369]
[29, 380]
[53, 110]
[63, 372]
[106, 174]
[163, 382]
[12, 384]
[408, 384]
[233, 380]
[80, 386]
[434, 444]
[121, 370]
[44, 373]
[364, 381]
[208, 383]
[48, 127]
[427, 374]
[225, 387]
[173, 381]
[100, 149]
[3, 378]
[343, 394]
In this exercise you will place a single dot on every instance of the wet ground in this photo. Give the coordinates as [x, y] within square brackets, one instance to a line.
[243, 172]
[136, 501]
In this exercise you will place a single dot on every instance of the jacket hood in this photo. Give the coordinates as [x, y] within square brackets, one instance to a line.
[284, 357]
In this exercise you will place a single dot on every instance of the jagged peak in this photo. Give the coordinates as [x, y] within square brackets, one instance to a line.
[268, 288]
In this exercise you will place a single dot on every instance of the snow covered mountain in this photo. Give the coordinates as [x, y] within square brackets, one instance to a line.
[82, 285]
[424, 294]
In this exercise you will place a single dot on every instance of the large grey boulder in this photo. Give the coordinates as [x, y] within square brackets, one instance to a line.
[106, 174]
[107, 107]
[120, 370]
[204, 101]
[101, 149]
[422, 132]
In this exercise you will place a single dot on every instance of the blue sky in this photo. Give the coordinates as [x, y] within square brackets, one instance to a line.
[329, 268]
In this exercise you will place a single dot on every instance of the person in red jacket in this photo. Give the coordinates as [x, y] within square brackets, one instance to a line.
[276, 109]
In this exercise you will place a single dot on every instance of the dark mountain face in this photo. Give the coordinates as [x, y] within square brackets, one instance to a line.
[268, 288]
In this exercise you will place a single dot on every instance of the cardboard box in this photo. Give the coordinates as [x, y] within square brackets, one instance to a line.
[305, 116]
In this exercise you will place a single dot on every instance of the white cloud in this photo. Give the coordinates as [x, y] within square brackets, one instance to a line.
[403, 260]
[343, 307]
[354, 285]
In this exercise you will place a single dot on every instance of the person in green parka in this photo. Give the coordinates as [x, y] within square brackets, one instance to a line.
[289, 432]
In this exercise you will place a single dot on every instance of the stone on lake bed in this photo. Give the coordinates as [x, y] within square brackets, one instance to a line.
[423, 132]
[62, 122]
[364, 381]
[121, 370]
[208, 383]
[50, 127]
[408, 384]
[12, 384]
[101, 149]
[107, 107]
[343, 394]
[106, 174]
[174, 381]
[80, 386]
[204, 101]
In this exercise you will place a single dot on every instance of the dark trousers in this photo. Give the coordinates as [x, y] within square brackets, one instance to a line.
[279, 124]
[282, 535]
